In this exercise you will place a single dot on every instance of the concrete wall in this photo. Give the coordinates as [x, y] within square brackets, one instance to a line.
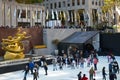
[51, 34]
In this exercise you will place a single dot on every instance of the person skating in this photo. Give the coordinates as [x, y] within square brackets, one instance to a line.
[79, 75]
[45, 68]
[84, 77]
[104, 73]
[26, 70]
[95, 61]
[91, 73]
[35, 74]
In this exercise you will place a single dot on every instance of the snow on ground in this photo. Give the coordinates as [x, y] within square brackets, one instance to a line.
[65, 74]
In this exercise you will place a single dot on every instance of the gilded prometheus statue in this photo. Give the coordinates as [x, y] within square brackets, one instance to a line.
[13, 46]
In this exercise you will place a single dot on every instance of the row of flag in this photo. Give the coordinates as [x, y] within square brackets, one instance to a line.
[55, 14]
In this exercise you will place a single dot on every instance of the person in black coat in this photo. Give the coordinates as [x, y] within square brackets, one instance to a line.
[112, 76]
[79, 75]
[26, 70]
[45, 68]
[104, 73]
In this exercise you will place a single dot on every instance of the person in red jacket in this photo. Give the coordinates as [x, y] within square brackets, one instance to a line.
[84, 77]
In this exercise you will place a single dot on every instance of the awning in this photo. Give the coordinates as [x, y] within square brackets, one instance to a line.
[79, 37]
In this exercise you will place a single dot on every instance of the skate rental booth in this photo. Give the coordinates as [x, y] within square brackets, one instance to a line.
[80, 40]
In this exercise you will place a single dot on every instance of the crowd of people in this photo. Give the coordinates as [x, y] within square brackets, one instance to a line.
[75, 59]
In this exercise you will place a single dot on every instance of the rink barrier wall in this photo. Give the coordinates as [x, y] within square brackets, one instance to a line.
[15, 65]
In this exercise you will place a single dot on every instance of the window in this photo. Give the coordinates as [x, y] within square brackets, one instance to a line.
[99, 3]
[51, 6]
[63, 3]
[55, 5]
[83, 2]
[68, 4]
[73, 2]
[59, 4]
[96, 3]
[92, 2]
[78, 2]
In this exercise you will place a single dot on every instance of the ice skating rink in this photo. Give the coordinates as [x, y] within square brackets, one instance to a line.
[65, 74]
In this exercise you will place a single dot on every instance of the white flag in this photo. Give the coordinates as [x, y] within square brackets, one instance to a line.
[75, 15]
[33, 15]
[47, 14]
[53, 17]
[56, 14]
[8, 13]
[68, 16]
[36, 14]
[15, 12]
[20, 13]
[26, 13]
[41, 14]
[71, 16]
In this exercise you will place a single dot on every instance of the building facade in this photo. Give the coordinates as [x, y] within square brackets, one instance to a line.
[15, 14]
[74, 11]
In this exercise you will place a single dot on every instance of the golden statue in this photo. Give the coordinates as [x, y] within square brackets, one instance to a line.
[13, 46]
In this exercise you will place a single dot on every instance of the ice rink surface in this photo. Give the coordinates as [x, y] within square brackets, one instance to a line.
[65, 74]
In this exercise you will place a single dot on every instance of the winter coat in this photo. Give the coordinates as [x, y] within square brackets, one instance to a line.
[84, 78]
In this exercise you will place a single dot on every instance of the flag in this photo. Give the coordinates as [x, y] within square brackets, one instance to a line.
[71, 16]
[78, 16]
[47, 15]
[41, 14]
[15, 12]
[68, 16]
[64, 15]
[84, 15]
[60, 15]
[36, 14]
[33, 15]
[56, 14]
[88, 16]
[98, 14]
[8, 13]
[26, 12]
[20, 13]
[75, 13]
[53, 17]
